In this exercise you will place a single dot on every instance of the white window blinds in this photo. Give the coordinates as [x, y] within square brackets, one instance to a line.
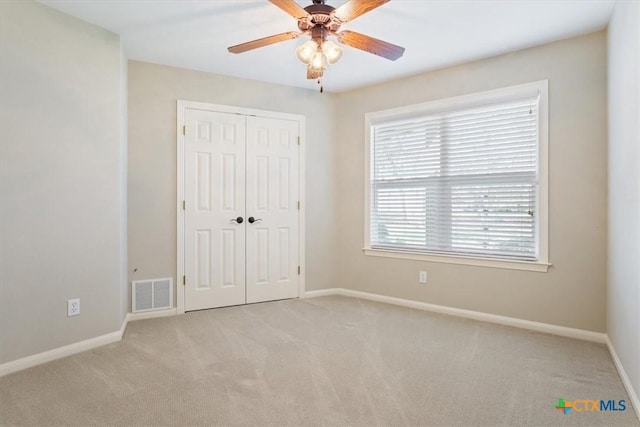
[460, 182]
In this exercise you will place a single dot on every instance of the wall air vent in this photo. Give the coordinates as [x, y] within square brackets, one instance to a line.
[150, 295]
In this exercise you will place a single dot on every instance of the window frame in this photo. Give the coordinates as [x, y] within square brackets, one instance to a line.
[538, 88]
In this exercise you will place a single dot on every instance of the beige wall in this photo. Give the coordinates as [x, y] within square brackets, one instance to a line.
[572, 293]
[153, 91]
[623, 320]
[61, 210]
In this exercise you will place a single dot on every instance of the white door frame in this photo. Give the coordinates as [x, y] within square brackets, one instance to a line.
[181, 110]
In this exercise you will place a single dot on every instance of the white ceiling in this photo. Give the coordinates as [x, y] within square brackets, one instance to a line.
[195, 34]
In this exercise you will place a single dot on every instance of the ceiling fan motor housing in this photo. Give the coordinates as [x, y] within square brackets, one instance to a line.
[320, 16]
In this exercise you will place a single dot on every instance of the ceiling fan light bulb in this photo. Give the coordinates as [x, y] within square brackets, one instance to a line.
[306, 51]
[319, 61]
[332, 51]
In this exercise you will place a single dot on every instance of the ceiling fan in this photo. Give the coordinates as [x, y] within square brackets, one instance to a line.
[320, 21]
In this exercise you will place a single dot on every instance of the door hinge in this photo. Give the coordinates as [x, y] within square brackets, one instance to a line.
[184, 280]
[298, 204]
[184, 130]
[298, 140]
[298, 270]
[184, 205]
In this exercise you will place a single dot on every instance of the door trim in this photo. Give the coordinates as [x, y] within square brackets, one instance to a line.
[182, 106]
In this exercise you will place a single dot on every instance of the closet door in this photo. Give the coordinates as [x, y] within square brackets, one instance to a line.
[272, 209]
[214, 209]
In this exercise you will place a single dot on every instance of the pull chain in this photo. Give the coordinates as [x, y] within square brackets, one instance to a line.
[321, 87]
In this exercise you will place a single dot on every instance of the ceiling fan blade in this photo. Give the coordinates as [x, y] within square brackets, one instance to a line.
[292, 8]
[254, 44]
[354, 8]
[371, 45]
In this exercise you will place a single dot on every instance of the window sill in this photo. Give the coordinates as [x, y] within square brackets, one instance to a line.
[453, 259]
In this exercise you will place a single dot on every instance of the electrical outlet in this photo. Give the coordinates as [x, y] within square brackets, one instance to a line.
[422, 278]
[73, 307]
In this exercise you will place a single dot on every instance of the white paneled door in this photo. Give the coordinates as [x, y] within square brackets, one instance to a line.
[214, 201]
[240, 210]
[272, 206]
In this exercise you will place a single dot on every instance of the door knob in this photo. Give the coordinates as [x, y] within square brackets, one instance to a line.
[238, 220]
[252, 220]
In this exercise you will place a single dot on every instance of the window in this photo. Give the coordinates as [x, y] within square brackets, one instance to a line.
[461, 180]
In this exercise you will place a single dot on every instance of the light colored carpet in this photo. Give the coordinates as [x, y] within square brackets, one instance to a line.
[330, 361]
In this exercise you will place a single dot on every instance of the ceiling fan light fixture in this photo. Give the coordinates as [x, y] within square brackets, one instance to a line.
[306, 51]
[332, 51]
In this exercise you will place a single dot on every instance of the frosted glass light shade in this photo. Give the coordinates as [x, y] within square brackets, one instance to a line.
[306, 51]
[319, 61]
[332, 51]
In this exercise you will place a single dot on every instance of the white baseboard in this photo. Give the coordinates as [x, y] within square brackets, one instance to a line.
[60, 352]
[322, 293]
[132, 317]
[633, 396]
[469, 314]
